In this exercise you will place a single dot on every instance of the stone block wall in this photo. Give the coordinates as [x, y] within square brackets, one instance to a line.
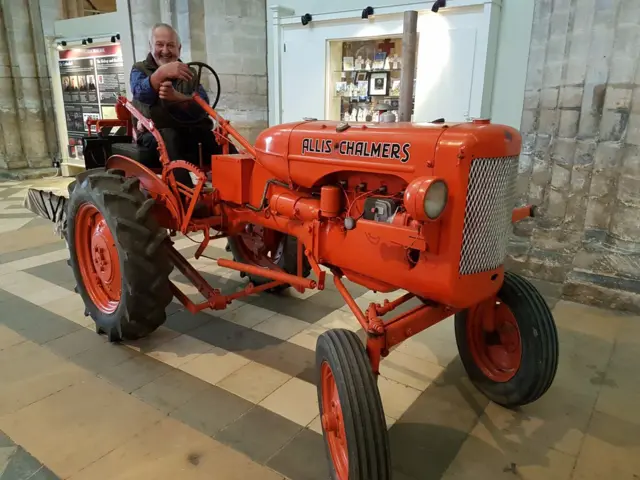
[581, 152]
[229, 35]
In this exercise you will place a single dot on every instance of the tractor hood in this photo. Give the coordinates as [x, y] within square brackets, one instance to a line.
[305, 152]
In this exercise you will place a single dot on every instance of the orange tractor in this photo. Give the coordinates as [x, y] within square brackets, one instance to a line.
[421, 208]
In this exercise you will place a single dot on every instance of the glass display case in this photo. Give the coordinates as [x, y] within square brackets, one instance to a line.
[362, 74]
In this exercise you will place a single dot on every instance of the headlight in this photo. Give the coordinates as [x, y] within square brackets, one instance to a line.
[435, 199]
[426, 198]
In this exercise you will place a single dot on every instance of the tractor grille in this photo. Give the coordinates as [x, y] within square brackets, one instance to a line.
[487, 219]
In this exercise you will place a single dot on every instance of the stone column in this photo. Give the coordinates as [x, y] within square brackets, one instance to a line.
[27, 68]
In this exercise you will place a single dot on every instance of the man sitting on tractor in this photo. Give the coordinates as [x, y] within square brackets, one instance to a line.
[161, 86]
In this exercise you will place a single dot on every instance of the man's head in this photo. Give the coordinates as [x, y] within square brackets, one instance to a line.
[164, 43]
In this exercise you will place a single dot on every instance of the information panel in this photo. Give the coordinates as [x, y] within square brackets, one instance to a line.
[92, 79]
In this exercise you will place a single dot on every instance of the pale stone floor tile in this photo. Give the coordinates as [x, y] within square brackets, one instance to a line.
[214, 365]
[611, 450]
[65, 306]
[595, 322]
[339, 319]
[293, 293]
[316, 425]
[180, 350]
[363, 302]
[487, 455]
[308, 337]
[170, 450]
[33, 289]
[296, 400]
[9, 338]
[247, 315]
[35, 261]
[281, 326]
[558, 420]
[12, 224]
[254, 382]
[35, 374]
[83, 422]
[411, 371]
[396, 397]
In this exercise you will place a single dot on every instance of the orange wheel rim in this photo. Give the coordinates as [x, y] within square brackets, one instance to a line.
[497, 352]
[98, 259]
[333, 423]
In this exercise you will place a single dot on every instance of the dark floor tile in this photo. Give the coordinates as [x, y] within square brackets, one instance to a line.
[6, 214]
[37, 222]
[429, 435]
[211, 410]
[48, 327]
[329, 299]
[5, 441]
[58, 273]
[303, 458]
[32, 252]
[135, 372]
[184, 321]
[22, 466]
[75, 343]
[260, 434]
[103, 358]
[171, 390]
[253, 345]
[173, 307]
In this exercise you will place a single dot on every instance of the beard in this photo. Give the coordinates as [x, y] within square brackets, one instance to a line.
[163, 59]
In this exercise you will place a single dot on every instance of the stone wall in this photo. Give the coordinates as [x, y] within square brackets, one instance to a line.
[27, 128]
[581, 151]
[229, 35]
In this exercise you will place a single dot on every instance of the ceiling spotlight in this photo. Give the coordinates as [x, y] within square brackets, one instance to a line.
[63, 43]
[367, 12]
[84, 42]
[113, 39]
[118, 36]
[305, 19]
[438, 5]
[90, 40]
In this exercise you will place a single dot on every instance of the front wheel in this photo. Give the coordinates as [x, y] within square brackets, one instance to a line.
[509, 344]
[355, 430]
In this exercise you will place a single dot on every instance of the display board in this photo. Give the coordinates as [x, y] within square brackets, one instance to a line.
[92, 79]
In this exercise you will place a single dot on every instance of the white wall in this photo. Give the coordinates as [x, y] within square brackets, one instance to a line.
[509, 62]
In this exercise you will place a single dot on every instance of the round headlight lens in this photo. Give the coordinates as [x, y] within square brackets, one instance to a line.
[435, 199]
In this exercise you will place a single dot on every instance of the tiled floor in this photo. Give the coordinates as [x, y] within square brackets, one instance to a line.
[231, 395]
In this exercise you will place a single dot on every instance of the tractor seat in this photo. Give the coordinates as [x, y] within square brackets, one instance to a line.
[146, 156]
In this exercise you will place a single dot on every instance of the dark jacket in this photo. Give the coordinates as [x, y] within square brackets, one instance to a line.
[157, 112]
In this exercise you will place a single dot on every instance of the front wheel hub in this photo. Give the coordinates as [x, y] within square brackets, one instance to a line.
[497, 353]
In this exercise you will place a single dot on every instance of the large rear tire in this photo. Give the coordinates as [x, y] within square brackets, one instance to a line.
[353, 422]
[116, 256]
[516, 363]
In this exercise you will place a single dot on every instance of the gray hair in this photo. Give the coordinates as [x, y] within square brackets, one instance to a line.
[163, 25]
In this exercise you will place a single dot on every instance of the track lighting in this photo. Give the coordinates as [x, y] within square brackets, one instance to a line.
[367, 12]
[305, 19]
[438, 5]
[90, 40]
[84, 42]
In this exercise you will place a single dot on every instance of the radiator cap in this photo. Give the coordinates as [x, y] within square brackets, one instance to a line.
[481, 121]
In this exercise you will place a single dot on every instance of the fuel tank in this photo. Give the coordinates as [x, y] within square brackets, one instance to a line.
[305, 152]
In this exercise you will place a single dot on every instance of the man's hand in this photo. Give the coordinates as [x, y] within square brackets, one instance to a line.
[175, 71]
[168, 93]
[170, 71]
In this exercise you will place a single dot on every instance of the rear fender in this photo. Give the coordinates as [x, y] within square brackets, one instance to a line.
[167, 206]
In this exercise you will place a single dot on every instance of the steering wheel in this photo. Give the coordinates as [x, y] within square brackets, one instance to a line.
[184, 117]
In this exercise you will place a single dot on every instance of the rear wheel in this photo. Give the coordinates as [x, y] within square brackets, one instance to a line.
[267, 248]
[115, 254]
[509, 344]
[353, 422]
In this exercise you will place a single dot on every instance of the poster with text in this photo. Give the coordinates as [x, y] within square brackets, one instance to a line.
[92, 78]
